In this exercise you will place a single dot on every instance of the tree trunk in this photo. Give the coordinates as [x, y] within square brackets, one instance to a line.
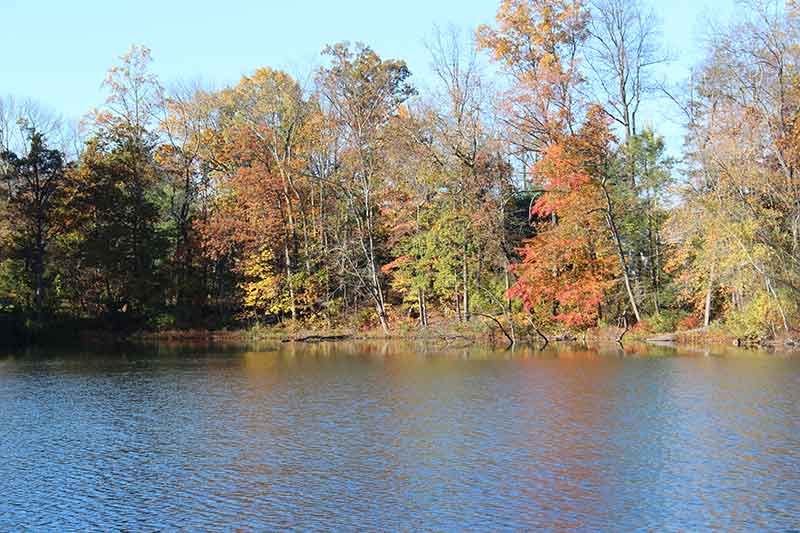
[289, 281]
[39, 274]
[423, 318]
[369, 251]
[379, 304]
[621, 253]
[652, 241]
[709, 294]
[465, 283]
[771, 289]
[509, 309]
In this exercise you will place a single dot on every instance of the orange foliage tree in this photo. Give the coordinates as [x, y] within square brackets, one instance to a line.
[570, 265]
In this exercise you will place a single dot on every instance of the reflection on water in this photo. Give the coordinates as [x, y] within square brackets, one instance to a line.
[393, 436]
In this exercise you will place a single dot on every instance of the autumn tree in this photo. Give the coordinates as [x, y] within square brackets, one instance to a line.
[185, 184]
[272, 108]
[116, 194]
[362, 92]
[742, 145]
[36, 191]
[415, 178]
[538, 43]
[468, 151]
[572, 263]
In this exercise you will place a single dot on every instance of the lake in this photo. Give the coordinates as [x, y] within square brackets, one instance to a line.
[399, 437]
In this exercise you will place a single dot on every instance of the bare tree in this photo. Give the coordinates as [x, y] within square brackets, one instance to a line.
[622, 52]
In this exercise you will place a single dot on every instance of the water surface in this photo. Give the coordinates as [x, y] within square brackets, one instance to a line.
[392, 436]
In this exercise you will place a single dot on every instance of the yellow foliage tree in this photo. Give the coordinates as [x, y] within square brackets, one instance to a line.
[261, 284]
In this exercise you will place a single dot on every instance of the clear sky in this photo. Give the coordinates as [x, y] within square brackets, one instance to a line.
[57, 51]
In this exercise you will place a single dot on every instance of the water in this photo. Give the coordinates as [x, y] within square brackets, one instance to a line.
[399, 437]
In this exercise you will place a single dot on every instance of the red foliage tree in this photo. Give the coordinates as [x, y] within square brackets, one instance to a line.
[570, 265]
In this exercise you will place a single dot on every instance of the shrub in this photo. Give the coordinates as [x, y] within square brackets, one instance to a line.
[758, 319]
[689, 322]
[667, 321]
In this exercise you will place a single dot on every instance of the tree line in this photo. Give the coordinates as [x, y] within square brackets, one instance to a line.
[532, 195]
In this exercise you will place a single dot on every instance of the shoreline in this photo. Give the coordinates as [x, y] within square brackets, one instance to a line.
[697, 337]
[445, 332]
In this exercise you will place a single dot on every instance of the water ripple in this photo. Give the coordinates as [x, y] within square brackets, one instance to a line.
[357, 438]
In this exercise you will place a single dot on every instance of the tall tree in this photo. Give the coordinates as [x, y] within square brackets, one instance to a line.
[116, 192]
[622, 53]
[537, 43]
[467, 151]
[186, 178]
[363, 92]
[570, 266]
[35, 184]
[742, 147]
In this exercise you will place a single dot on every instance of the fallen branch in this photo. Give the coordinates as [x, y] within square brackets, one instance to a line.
[318, 338]
[499, 325]
[538, 332]
[503, 310]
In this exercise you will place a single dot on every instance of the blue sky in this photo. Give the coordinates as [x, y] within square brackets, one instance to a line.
[57, 52]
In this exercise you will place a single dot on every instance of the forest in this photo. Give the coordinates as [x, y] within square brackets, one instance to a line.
[524, 189]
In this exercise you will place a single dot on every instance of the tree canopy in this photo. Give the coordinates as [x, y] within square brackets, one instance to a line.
[523, 186]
